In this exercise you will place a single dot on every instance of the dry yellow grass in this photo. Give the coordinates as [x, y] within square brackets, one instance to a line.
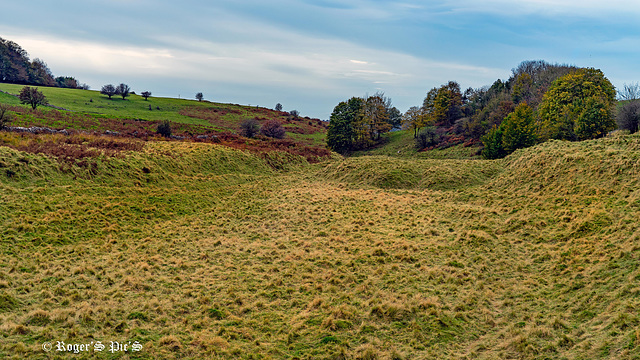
[214, 254]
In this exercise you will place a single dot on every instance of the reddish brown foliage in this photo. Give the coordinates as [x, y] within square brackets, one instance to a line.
[131, 131]
[68, 149]
[262, 144]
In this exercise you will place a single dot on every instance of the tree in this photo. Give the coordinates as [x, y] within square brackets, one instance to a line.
[272, 129]
[164, 129]
[443, 105]
[67, 82]
[5, 116]
[123, 90]
[14, 63]
[376, 117]
[628, 117]
[595, 121]
[518, 129]
[629, 92]
[108, 90]
[414, 118]
[40, 74]
[395, 118]
[426, 138]
[32, 96]
[493, 144]
[341, 135]
[199, 96]
[145, 94]
[573, 102]
[278, 107]
[294, 113]
[249, 128]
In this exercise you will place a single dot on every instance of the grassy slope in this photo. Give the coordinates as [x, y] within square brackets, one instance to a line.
[401, 144]
[212, 253]
[207, 115]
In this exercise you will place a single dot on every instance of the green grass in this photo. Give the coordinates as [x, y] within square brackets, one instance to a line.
[197, 251]
[401, 144]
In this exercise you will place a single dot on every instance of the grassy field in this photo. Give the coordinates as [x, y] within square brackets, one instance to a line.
[401, 144]
[196, 250]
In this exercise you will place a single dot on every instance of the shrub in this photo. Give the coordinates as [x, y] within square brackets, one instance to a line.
[272, 129]
[249, 128]
[5, 116]
[426, 138]
[493, 144]
[164, 129]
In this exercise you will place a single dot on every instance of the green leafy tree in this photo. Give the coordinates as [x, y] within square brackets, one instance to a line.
[341, 136]
[573, 102]
[518, 129]
[492, 141]
[32, 96]
[595, 121]
[522, 89]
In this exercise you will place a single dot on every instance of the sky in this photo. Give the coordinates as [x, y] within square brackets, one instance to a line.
[309, 55]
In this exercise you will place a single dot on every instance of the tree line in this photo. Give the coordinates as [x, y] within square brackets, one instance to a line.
[17, 68]
[539, 101]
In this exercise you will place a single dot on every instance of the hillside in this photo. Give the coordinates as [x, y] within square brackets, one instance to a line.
[198, 250]
[89, 110]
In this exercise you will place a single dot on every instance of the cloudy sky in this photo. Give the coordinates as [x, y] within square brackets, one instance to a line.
[311, 54]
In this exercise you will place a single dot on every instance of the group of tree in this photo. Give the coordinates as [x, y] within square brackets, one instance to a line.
[539, 101]
[17, 68]
[121, 90]
[359, 123]
[578, 105]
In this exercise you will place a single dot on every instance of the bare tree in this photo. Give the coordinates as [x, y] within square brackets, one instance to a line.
[145, 94]
[123, 90]
[199, 96]
[278, 107]
[629, 92]
[628, 117]
[273, 129]
[32, 96]
[294, 113]
[108, 90]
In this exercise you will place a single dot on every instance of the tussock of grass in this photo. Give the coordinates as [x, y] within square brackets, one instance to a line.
[217, 253]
